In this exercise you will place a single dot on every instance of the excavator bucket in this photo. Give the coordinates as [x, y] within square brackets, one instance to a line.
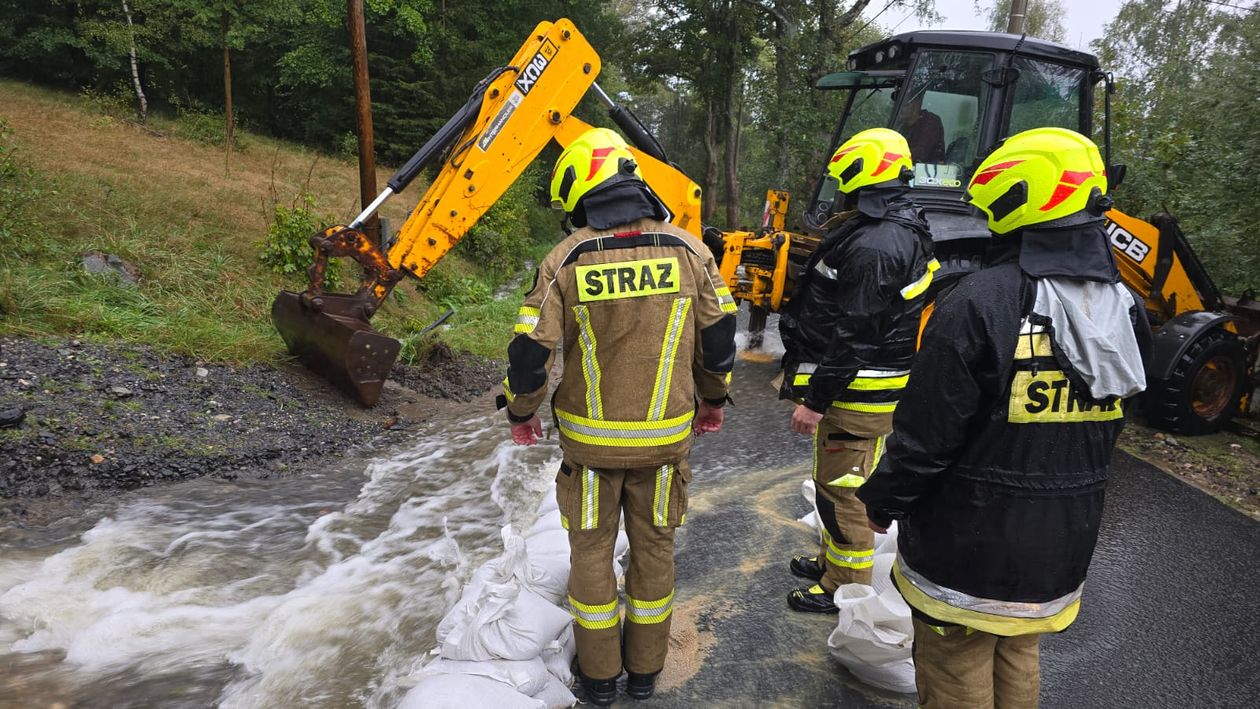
[332, 337]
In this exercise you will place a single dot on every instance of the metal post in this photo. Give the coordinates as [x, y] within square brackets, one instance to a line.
[1015, 25]
[363, 116]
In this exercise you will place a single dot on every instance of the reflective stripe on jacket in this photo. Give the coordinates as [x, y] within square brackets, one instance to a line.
[996, 466]
[646, 326]
[851, 327]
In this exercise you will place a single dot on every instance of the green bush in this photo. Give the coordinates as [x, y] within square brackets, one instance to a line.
[444, 285]
[118, 103]
[202, 125]
[500, 241]
[288, 251]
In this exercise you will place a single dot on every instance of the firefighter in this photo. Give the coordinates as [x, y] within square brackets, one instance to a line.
[997, 463]
[647, 331]
[849, 334]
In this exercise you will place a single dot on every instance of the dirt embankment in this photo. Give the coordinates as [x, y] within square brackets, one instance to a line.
[103, 418]
[1224, 465]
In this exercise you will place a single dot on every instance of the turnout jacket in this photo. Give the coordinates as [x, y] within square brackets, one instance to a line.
[645, 324]
[998, 459]
[851, 328]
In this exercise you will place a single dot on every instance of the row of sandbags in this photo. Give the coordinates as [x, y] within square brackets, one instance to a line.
[874, 637]
[507, 643]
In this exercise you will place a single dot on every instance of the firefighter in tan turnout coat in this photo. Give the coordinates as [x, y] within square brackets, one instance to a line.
[646, 329]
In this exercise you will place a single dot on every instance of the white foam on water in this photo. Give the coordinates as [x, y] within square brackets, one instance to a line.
[298, 598]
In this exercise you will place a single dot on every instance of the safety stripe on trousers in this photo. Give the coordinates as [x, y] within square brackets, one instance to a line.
[590, 499]
[725, 300]
[507, 391]
[594, 617]
[849, 558]
[590, 363]
[660, 496]
[624, 434]
[649, 612]
[914, 290]
[669, 351]
[526, 320]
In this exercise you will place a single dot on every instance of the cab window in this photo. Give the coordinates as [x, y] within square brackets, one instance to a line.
[1046, 94]
[940, 112]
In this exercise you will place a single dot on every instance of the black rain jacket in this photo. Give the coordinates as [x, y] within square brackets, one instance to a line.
[849, 311]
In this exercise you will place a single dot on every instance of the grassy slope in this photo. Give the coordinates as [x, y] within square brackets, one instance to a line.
[195, 231]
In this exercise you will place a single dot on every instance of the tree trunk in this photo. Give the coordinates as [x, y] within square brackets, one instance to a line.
[135, 68]
[782, 89]
[712, 169]
[229, 115]
[733, 119]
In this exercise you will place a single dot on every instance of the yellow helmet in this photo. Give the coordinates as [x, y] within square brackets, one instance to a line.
[1037, 176]
[871, 157]
[599, 156]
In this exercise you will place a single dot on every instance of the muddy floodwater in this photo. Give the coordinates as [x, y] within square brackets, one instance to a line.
[319, 590]
[324, 589]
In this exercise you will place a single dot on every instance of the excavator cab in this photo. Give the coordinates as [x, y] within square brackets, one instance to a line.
[954, 95]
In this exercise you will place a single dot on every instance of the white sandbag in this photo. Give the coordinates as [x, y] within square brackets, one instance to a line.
[546, 523]
[549, 503]
[505, 622]
[887, 543]
[498, 616]
[881, 576]
[556, 695]
[525, 676]
[622, 545]
[874, 638]
[811, 518]
[466, 692]
[558, 656]
[548, 553]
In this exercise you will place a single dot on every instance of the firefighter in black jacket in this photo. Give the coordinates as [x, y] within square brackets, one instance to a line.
[998, 460]
[849, 334]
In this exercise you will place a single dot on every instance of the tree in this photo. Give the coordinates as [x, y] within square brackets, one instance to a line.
[1043, 18]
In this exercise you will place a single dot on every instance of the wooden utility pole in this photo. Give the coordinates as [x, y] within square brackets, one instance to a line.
[1015, 25]
[363, 115]
[225, 23]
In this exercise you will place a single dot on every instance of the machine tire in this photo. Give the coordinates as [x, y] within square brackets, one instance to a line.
[1204, 390]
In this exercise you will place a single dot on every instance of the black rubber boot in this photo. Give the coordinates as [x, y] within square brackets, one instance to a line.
[807, 567]
[11, 418]
[640, 686]
[599, 692]
[812, 600]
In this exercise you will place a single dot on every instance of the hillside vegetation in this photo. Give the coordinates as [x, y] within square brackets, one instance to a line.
[77, 176]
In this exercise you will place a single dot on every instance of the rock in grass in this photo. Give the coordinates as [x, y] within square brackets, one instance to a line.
[120, 392]
[109, 264]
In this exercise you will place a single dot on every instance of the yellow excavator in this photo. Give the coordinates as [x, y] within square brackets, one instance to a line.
[956, 94]
[511, 116]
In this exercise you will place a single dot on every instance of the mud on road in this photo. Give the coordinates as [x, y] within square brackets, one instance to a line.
[104, 418]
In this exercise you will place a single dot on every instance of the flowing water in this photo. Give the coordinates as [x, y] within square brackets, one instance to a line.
[319, 590]
[323, 589]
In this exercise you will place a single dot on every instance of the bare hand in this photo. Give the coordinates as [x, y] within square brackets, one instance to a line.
[708, 419]
[527, 433]
[805, 420]
[875, 527]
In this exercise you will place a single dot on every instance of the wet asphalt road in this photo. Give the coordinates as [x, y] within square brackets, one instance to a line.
[1171, 614]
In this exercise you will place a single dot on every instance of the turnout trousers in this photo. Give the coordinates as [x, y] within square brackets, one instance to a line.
[847, 447]
[591, 503]
[962, 668]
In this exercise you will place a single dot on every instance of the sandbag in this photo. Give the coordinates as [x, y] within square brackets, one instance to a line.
[466, 692]
[525, 676]
[498, 616]
[558, 656]
[811, 518]
[556, 695]
[874, 637]
[887, 543]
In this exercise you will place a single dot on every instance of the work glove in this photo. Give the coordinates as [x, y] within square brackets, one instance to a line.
[527, 433]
